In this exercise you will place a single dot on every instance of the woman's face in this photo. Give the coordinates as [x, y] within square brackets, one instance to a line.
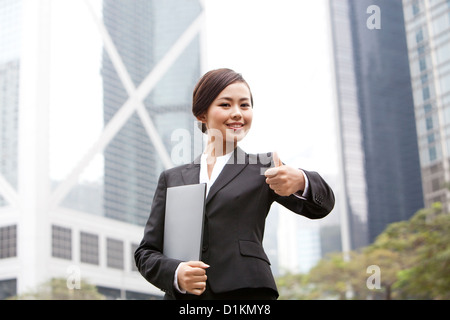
[230, 115]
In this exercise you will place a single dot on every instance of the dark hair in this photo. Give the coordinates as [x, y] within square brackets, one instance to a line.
[210, 86]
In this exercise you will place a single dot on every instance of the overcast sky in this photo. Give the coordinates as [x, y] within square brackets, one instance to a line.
[282, 48]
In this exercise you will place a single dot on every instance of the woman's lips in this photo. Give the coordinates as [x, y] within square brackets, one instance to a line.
[235, 126]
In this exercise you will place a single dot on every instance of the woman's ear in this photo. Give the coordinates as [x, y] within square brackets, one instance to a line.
[202, 118]
[202, 123]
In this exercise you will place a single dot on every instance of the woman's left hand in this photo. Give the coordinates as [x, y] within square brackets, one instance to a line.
[283, 179]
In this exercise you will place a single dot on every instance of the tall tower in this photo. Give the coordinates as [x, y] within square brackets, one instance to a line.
[379, 156]
[427, 26]
[10, 30]
[143, 31]
[91, 93]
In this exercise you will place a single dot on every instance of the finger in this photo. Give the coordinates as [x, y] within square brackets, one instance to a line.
[271, 172]
[197, 292]
[198, 278]
[274, 180]
[197, 264]
[199, 285]
[195, 272]
[276, 159]
[274, 186]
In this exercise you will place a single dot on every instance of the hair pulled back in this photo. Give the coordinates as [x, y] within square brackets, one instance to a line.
[210, 85]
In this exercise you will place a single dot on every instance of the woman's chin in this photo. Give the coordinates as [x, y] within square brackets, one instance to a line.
[236, 137]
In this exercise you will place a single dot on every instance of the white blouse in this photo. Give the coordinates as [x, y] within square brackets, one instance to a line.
[217, 169]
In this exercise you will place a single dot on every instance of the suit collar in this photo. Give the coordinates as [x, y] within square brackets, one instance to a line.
[237, 162]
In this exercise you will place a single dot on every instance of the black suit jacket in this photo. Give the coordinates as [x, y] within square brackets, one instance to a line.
[236, 209]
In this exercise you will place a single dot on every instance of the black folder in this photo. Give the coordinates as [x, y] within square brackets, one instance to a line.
[183, 226]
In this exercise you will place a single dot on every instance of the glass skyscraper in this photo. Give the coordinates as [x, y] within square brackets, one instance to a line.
[132, 163]
[428, 37]
[9, 91]
[379, 159]
[94, 96]
[10, 15]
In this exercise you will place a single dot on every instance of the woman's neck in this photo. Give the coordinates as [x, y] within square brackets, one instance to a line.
[217, 150]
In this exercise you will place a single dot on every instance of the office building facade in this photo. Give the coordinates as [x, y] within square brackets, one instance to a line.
[379, 158]
[89, 113]
[143, 40]
[427, 24]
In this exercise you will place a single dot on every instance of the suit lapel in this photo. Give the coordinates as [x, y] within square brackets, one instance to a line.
[238, 161]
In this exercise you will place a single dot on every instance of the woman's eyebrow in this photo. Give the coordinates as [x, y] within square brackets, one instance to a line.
[231, 99]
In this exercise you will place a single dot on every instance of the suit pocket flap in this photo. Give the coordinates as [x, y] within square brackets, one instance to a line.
[252, 249]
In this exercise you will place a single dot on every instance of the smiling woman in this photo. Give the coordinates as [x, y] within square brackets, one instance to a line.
[238, 198]
[228, 118]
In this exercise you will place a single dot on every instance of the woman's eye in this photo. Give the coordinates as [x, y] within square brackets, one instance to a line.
[224, 105]
[245, 105]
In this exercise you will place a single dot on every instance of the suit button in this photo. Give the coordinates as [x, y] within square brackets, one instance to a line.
[204, 248]
[318, 199]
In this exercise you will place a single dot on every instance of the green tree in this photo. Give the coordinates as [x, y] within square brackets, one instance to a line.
[57, 289]
[412, 259]
[386, 265]
[295, 287]
[330, 277]
[425, 241]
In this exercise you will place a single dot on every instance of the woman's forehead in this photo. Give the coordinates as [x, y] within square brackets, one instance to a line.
[239, 89]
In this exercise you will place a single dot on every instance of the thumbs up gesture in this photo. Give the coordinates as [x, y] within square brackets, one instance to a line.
[284, 180]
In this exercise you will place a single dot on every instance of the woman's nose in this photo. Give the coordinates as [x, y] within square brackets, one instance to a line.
[236, 113]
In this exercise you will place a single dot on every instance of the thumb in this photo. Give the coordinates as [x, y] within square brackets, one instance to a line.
[276, 159]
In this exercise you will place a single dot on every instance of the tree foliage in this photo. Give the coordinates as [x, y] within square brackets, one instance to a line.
[409, 260]
[58, 289]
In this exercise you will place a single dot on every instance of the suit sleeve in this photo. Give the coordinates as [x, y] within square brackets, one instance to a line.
[319, 199]
[156, 268]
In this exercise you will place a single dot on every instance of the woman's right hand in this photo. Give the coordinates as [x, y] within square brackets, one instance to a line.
[192, 277]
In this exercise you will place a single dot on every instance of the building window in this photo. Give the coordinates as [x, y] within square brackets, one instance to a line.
[133, 262]
[110, 293]
[436, 184]
[429, 123]
[114, 253]
[419, 36]
[133, 295]
[8, 242]
[424, 78]
[421, 50]
[415, 8]
[8, 288]
[425, 93]
[89, 248]
[422, 64]
[61, 242]
[432, 153]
